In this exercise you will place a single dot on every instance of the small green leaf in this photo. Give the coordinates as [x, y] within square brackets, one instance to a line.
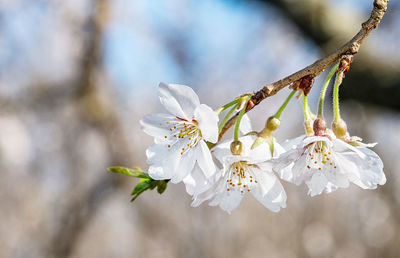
[140, 188]
[135, 172]
[161, 186]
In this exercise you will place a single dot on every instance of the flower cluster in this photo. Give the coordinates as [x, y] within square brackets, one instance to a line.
[187, 149]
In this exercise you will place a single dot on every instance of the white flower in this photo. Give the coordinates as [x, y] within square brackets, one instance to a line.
[326, 163]
[244, 173]
[180, 152]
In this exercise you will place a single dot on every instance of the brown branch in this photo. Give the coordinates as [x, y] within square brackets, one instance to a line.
[319, 66]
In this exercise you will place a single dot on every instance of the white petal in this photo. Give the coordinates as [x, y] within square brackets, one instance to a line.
[207, 121]
[285, 160]
[293, 143]
[185, 167]
[155, 125]
[167, 158]
[195, 182]
[215, 189]
[336, 177]
[260, 153]
[300, 172]
[343, 147]
[222, 150]
[157, 173]
[278, 149]
[179, 100]
[274, 200]
[230, 200]
[312, 139]
[366, 173]
[204, 159]
[266, 179]
[317, 184]
[245, 125]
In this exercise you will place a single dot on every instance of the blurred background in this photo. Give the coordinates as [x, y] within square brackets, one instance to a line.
[76, 76]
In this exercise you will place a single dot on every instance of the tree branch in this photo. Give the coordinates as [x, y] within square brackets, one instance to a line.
[313, 70]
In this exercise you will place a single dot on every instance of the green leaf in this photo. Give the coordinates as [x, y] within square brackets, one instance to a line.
[135, 172]
[146, 182]
[161, 186]
[140, 188]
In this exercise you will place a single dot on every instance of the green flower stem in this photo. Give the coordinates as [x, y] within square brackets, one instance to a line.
[308, 120]
[338, 81]
[227, 118]
[280, 110]
[306, 108]
[226, 106]
[323, 91]
[236, 132]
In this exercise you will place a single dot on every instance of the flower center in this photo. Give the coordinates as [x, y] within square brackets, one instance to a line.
[241, 177]
[186, 133]
[318, 155]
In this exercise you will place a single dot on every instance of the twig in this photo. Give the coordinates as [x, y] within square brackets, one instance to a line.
[319, 66]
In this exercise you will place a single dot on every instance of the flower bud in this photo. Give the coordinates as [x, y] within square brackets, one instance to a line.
[236, 148]
[319, 126]
[339, 128]
[272, 123]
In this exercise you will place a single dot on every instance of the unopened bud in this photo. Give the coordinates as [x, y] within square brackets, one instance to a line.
[236, 148]
[339, 128]
[319, 126]
[272, 123]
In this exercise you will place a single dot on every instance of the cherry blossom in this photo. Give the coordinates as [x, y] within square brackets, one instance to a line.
[242, 174]
[180, 152]
[326, 163]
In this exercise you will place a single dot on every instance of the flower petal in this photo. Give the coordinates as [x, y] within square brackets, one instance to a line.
[275, 199]
[293, 143]
[204, 159]
[366, 173]
[317, 184]
[155, 125]
[196, 182]
[285, 160]
[179, 100]
[230, 201]
[278, 149]
[222, 150]
[185, 167]
[245, 125]
[157, 173]
[216, 189]
[207, 121]
[167, 158]
[266, 179]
